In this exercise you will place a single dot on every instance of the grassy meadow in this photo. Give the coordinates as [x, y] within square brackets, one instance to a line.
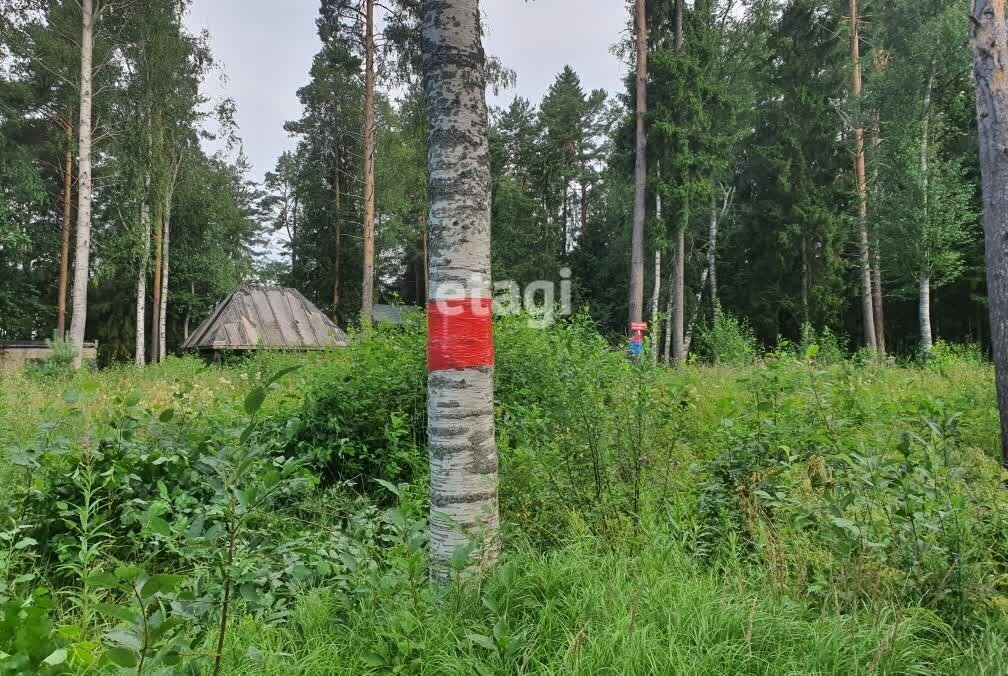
[796, 512]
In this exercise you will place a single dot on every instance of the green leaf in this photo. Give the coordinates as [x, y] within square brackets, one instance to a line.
[481, 640]
[25, 543]
[57, 658]
[390, 487]
[373, 659]
[121, 657]
[167, 415]
[71, 397]
[254, 400]
[160, 584]
[158, 526]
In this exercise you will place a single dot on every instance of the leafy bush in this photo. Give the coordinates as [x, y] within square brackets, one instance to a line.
[945, 356]
[57, 366]
[728, 340]
[365, 414]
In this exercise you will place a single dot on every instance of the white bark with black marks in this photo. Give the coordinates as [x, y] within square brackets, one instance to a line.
[655, 300]
[924, 312]
[82, 254]
[140, 351]
[460, 411]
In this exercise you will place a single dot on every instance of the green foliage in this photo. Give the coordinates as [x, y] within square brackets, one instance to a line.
[57, 366]
[727, 340]
[365, 415]
[808, 512]
[945, 356]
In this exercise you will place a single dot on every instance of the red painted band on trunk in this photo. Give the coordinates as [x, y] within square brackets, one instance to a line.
[459, 334]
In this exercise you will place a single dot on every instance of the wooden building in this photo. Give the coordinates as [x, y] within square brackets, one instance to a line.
[260, 317]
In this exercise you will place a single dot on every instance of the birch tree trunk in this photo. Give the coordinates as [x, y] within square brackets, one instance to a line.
[924, 312]
[162, 309]
[927, 337]
[82, 255]
[140, 351]
[64, 273]
[667, 351]
[367, 292]
[806, 311]
[712, 236]
[990, 47]
[339, 239]
[679, 291]
[878, 311]
[867, 308]
[155, 349]
[690, 328]
[636, 302]
[655, 300]
[460, 353]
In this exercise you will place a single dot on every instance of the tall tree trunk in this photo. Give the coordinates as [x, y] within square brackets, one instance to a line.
[584, 199]
[927, 336]
[162, 309]
[82, 255]
[680, 36]
[878, 310]
[64, 273]
[667, 351]
[655, 300]
[679, 270]
[188, 314]
[806, 311]
[712, 256]
[139, 353]
[155, 349]
[679, 291]
[924, 312]
[460, 353]
[691, 326]
[990, 47]
[867, 308]
[636, 302]
[367, 292]
[336, 256]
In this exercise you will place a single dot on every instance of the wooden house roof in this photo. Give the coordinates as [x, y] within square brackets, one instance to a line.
[266, 317]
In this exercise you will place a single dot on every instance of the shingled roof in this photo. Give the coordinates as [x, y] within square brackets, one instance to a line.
[266, 317]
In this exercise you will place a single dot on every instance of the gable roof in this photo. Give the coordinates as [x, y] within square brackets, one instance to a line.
[266, 317]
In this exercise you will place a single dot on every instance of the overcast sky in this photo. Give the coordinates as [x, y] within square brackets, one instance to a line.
[265, 50]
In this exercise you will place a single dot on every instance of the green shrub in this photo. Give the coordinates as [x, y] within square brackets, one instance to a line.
[945, 356]
[365, 414]
[57, 366]
[728, 340]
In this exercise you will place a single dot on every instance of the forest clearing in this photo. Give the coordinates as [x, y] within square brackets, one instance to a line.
[689, 359]
[797, 514]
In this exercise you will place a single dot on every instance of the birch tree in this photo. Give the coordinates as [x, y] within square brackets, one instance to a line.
[90, 15]
[460, 408]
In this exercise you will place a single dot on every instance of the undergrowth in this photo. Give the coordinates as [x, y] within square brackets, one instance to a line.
[795, 513]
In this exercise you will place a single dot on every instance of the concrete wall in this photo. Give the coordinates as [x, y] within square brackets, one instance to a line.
[15, 357]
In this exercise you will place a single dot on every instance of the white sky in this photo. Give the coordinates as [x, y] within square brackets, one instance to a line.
[265, 48]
